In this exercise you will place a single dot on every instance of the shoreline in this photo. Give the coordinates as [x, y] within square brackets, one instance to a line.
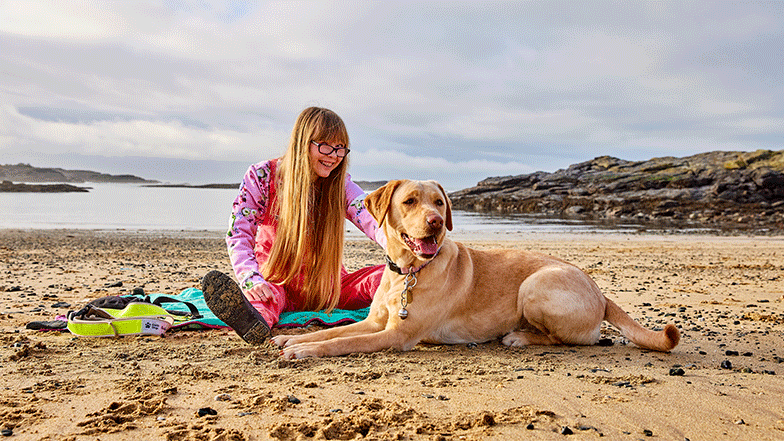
[724, 293]
[457, 234]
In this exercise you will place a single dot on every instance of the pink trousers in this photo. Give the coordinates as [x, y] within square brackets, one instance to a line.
[356, 292]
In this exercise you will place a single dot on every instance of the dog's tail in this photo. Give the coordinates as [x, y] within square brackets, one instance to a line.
[663, 340]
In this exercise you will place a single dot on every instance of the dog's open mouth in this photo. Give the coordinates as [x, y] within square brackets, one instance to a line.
[426, 247]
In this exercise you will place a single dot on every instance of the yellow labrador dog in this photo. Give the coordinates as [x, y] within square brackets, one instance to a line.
[435, 290]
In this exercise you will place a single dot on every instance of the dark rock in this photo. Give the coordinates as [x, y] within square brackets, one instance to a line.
[565, 430]
[204, 411]
[677, 372]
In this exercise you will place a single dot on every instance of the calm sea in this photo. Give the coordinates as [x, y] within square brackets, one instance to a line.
[134, 207]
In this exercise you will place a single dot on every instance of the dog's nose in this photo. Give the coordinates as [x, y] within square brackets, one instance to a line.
[435, 221]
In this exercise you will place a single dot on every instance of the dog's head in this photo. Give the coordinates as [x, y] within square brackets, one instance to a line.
[414, 216]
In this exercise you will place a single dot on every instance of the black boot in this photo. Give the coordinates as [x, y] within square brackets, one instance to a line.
[226, 300]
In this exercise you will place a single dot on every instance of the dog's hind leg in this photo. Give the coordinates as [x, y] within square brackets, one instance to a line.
[563, 304]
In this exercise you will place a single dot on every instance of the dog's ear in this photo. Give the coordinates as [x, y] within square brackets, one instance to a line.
[448, 207]
[377, 202]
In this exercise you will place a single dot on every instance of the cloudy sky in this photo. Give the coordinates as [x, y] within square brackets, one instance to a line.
[194, 92]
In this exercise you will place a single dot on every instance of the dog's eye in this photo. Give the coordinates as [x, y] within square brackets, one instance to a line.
[439, 202]
[409, 201]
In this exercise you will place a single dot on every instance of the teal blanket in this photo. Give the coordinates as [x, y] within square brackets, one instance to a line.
[287, 319]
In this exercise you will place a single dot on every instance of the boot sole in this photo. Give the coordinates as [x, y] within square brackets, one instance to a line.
[226, 300]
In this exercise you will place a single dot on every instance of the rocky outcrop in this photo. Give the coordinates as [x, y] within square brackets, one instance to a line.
[10, 187]
[28, 173]
[720, 189]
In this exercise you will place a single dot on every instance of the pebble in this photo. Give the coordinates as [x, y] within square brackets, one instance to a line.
[6, 432]
[565, 430]
[726, 364]
[647, 432]
[677, 372]
[204, 411]
[530, 426]
[223, 397]
[293, 400]
[731, 353]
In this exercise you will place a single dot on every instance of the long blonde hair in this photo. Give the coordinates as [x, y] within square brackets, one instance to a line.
[311, 213]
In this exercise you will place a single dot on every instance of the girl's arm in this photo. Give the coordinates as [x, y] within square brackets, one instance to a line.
[358, 214]
[247, 213]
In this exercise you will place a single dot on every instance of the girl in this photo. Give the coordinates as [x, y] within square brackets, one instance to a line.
[286, 238]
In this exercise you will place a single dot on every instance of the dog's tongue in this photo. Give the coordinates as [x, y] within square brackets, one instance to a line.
[427, 245]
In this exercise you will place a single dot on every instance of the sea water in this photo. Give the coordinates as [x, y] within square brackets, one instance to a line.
[136, 207]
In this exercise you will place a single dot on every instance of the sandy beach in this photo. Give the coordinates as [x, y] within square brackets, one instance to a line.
[724, 381]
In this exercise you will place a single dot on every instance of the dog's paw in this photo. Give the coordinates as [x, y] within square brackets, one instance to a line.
[513, 340]
[287, 340]
[299, 351]
[281, 340]
[520, 339]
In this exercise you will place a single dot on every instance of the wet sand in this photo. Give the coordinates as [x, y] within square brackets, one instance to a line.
[724, 381]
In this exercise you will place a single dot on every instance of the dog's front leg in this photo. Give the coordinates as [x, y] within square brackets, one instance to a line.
[367, 326]
[378, 341]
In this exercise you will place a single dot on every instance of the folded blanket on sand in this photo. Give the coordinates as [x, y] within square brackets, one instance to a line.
[287, 319]
[208, 320]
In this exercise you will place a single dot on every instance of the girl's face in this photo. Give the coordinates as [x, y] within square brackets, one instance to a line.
[324, 163]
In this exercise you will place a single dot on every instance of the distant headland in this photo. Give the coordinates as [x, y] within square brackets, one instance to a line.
[29, 174]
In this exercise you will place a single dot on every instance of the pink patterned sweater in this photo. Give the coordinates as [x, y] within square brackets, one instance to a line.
[248, 212]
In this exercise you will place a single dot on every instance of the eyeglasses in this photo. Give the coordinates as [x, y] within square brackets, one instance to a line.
[326, 149]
